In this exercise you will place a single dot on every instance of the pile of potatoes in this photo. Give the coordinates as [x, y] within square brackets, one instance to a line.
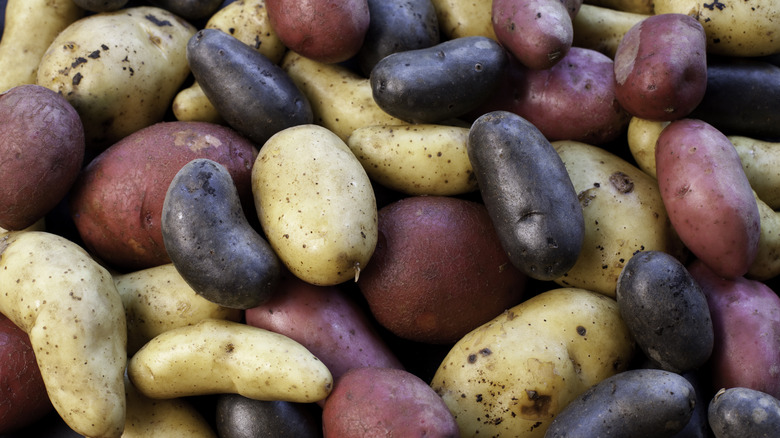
[370, 218]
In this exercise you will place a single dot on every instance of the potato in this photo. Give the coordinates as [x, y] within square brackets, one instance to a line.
[326, 320]
[341, 99]
[69, 307]
[708, 196]
[29, 27]
[738, 412]
[439, 270]
[766, 265]
[22, 391]
[41, 153]
[638, 402]
[100, 5]
[642, 137]
[733, 27]
[467, 73]
[623, 213]
[120, 70]
[191, 10]
[251, 93]
[632, 6]
[116, 203]
[746, 322]
[220, 357]
[315, 204]
[661, 67]
[373, 402]
[666, 311]
[242, 417]
[514, 374]
[602, 28]
[528, 194]
[211, 242]
[416, 159]
[462, 18]
[327, 31]
[158, 299]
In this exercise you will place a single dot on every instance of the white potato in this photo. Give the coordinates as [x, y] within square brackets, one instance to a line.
[68, 305]
[316, 204]
[226, 357]
[460, 18]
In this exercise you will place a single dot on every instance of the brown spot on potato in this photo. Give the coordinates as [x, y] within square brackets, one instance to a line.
[621, 182]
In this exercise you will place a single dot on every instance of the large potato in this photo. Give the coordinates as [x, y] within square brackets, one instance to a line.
[514, 374]
[120, 70]
[316, 204]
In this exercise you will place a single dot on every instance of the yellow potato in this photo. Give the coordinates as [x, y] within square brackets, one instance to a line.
[512, 375]
[634, 6]
[642, 135]
[416, 159]
[158, 299]
[601, 29]
[68, 305]
[766, 265]
[30, 27]
[120, 70]
[316, 204]
[460, 18]
[623, 212]
[733, 27]
[226, 357]
[341, 100]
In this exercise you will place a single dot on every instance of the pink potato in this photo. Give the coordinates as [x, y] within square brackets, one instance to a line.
[746, 323]
[707, 196]
[41, 153]
[661, 67]
[116, 202]
[326, 321]
[375, 402]
[327, 31]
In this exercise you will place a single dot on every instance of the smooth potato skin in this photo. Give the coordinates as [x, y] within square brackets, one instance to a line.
[708, 196]
[742, 412]
[661, 67]
[327, 31]
[242, 417]
[41, 153]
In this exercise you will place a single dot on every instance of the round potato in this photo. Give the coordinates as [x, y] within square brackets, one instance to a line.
[738, 412]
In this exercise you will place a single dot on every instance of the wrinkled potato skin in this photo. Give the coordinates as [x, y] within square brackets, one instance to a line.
[512, 375]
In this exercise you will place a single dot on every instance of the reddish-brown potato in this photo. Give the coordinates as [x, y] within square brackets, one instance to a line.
[326, 31]
[383, 402]
[438, 270]
[117, 201]
[41, 153]
[23, 397]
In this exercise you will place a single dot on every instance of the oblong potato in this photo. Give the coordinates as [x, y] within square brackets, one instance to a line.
[602, 28]
[739, 412]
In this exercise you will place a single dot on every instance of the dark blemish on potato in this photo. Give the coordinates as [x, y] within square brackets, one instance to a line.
[479, 398]
[535, 425]
[78, 62]
[104, 47]
[229, 348]
[713, 5]
[485, 352]
[478, 67]
[682, 191]
[621, 182]
[472, 358]
[581, 330]
[541, 406]
[77, 79]
[157, 21]
[94, 55]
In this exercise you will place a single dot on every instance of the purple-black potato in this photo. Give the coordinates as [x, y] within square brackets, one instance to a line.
[242, 417]
[707, 195]
[528, 194]
[116, 203]
[210, 241]
[373, 402]
[41, 153]
[637, 402]
[100, 5]
[438, 82]
[661, 67]
[744, 412]
[746, 323]
[251, 93]
[190, 9]
[327, 31]
[666, 311]
[438, 270]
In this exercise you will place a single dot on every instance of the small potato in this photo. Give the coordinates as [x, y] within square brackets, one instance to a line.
[461, 18]
[742, 412]
[100, 5]
[638, 402]
[315, 204]
[191, 10]
[374, 402]
[633, 6]
[602, 28]
[642, 138]
[242, 417]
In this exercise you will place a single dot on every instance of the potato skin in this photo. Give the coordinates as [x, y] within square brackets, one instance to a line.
[637, 402]
[661, 67]
[741, 412]
[190, 9]
[377, 402]
[528, 194]
[41, 153]
[708, 196]
[242, 417]
[117, 200]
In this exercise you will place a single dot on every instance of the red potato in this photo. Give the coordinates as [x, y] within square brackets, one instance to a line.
[41, 153]
[328, 322]
[661, 67]
[707, 196]
[116, 203]
[23, 397]
[746, 322]
[385, 402]
[438, 270]
[327, 31]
